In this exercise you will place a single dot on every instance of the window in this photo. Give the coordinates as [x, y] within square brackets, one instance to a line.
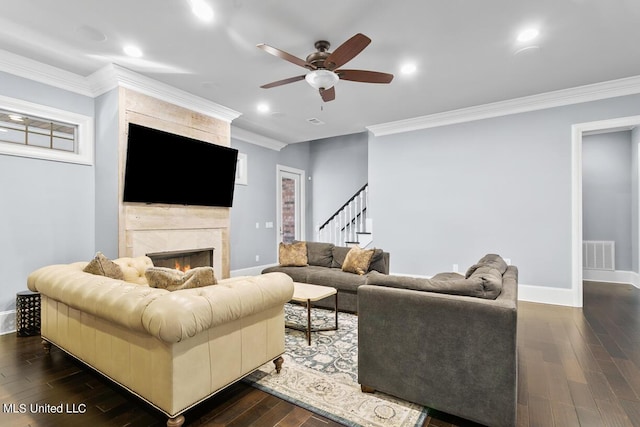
[37, 132]
[32, 130]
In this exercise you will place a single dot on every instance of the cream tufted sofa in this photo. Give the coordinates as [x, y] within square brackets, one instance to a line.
[172, 349]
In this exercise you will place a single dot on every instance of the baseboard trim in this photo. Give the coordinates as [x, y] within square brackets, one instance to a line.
[547, 295]
[250, 271]
[617, 276]
[7, 322]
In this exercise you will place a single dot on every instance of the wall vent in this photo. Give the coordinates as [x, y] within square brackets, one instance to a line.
[315, 121]
[599, 255]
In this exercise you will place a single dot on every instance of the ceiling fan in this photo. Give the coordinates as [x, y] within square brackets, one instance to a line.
[325, 66]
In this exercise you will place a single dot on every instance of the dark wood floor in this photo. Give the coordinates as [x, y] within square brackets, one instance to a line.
[581, 367]
[576, 367]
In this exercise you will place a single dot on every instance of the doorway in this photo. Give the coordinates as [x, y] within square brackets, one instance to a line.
[577, 132]
[290, 204]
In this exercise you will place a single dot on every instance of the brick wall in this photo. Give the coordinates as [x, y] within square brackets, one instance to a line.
[288, 210]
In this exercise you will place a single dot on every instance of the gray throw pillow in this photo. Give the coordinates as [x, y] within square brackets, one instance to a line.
[320, 254]
[339, 254]
[489, 260]
[378, 263]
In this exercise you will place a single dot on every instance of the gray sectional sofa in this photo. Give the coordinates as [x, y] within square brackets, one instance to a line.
[448, 343]
[325, 269]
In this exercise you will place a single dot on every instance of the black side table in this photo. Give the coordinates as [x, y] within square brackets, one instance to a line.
[27, 313]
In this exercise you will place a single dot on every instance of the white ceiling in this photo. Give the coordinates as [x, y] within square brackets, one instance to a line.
[464, 51]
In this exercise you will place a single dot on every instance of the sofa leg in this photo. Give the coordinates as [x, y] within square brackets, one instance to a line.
[367, 389]
[278, 362]
[175, 422]
[46, 345]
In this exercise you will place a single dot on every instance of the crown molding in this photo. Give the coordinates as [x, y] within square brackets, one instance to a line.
[113, 75]
[107, 78]
[43, 73]
[256, 139]
[559, 98]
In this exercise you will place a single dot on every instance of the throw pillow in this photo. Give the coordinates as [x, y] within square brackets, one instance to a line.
[293, 254]
[378, 263]
[198, 277]
[103, 266]
[339, 253]
[357, 260]
[320, 254]
[491, 260]
[174, 280]
[471, 270]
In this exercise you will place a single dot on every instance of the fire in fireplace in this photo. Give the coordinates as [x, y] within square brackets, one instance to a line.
[183, 260]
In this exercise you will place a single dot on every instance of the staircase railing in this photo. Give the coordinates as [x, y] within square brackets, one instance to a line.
[347, 222]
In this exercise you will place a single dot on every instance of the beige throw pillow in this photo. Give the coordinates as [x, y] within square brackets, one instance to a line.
[293, 254]
[103, 266]
[357, 260]
[173, 280]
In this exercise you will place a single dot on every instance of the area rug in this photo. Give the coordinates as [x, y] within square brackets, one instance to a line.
[323, 377]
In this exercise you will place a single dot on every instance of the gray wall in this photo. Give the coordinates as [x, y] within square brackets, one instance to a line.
[607, 182]
[106, 170]
[47, 212]
[454, 193]
[256, 203]
[340, 168]
[337, 167]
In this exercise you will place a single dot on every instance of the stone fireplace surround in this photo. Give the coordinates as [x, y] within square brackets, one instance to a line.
[176, 228]
[145, 228]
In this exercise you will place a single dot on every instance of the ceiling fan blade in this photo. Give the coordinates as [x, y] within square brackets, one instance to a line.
[364, 76]
[347, 51]
[328, 94]
[283, 82]
[286, 56]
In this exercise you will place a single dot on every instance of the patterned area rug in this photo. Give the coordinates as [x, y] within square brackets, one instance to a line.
[323, 377]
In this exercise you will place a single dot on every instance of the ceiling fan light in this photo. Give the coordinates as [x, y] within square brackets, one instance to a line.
[528, 34]
[321, 79]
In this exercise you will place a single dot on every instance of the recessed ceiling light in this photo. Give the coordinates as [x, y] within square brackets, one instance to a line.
[263, 108]
[408, 68]
[16, 117]
[202, 10]
[132, 51]
[528, 34]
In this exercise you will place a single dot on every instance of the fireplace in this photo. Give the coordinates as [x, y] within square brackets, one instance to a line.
[183, 259]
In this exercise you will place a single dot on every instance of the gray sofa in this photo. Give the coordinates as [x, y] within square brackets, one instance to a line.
[448, 343]
[325, 269]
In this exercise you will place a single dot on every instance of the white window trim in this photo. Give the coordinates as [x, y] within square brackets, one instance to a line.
[85, 137]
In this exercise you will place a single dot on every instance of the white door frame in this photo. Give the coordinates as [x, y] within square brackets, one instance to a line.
[301, 230]
[577, 132]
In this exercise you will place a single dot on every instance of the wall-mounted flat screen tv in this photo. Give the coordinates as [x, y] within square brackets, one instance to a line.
[162, 167]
